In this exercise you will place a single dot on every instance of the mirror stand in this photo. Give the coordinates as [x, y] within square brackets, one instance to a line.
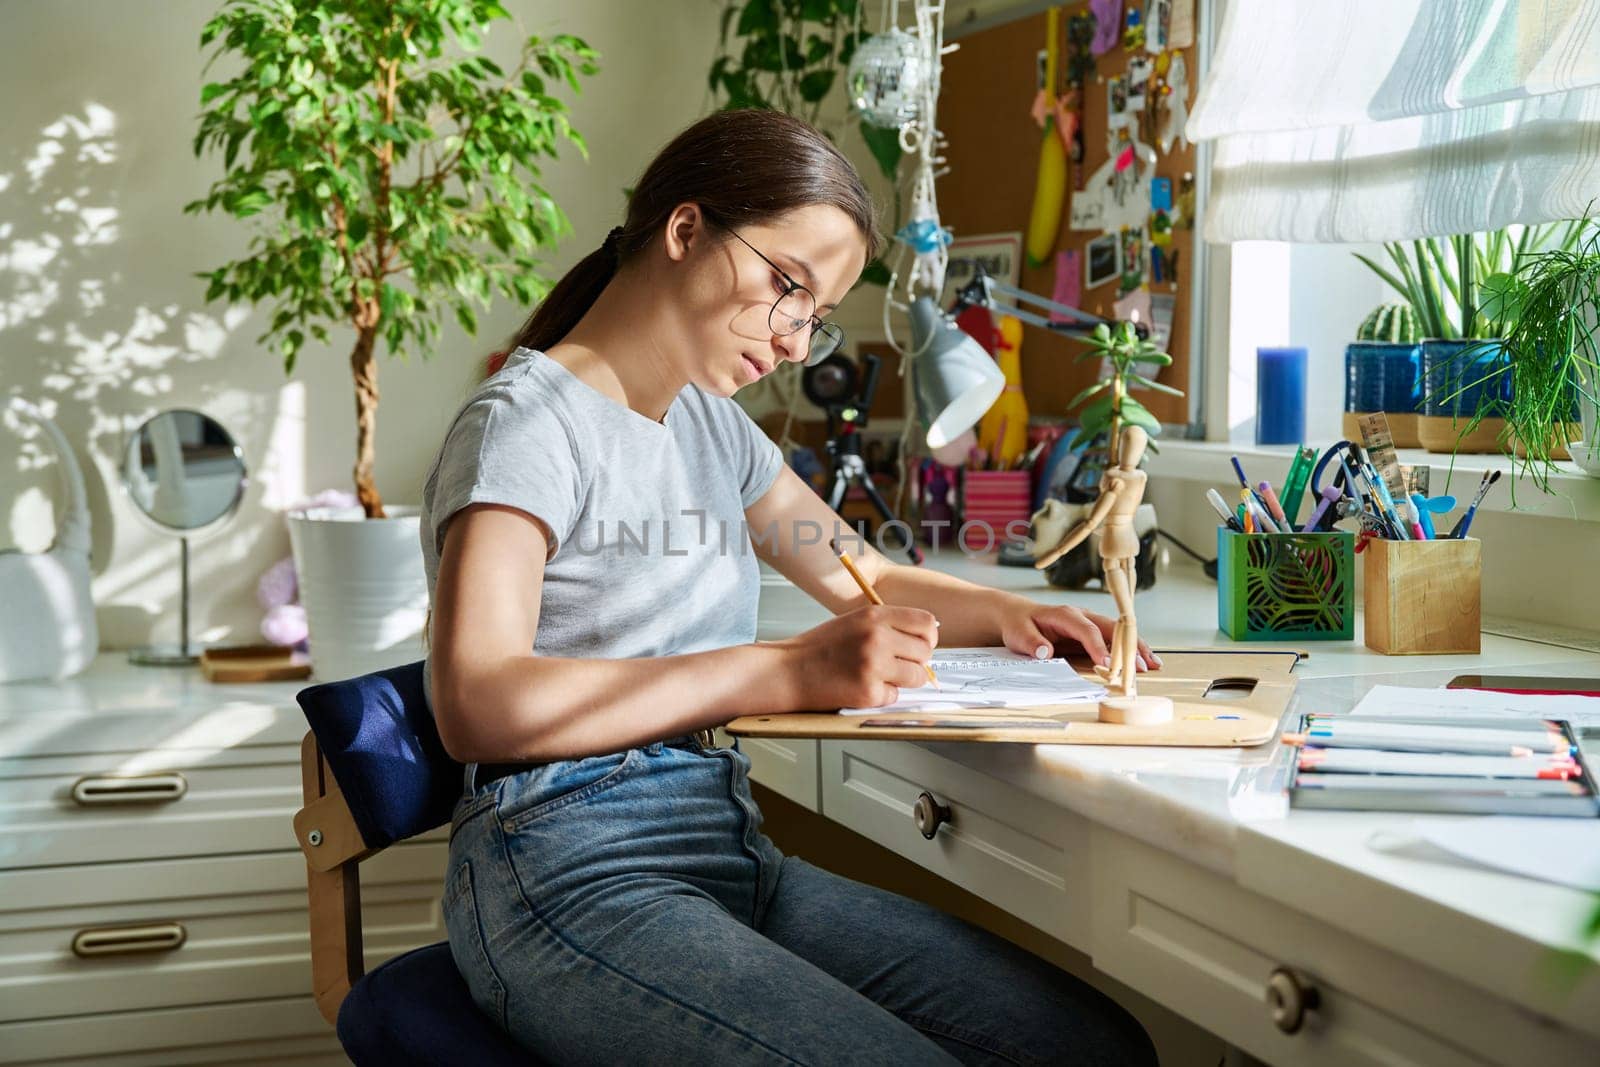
[182, 654]
[183, 472]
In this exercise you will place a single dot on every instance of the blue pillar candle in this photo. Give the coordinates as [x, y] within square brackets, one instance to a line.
[1280, 396]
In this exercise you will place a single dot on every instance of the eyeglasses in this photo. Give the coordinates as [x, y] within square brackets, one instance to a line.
[795, 309]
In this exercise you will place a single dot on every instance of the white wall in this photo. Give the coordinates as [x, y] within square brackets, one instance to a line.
[1311, 296]
[102, 322]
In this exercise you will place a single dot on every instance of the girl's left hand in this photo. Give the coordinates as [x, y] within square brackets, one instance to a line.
[1037, 630]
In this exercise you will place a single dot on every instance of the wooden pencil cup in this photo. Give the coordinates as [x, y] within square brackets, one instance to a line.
[1423, 597]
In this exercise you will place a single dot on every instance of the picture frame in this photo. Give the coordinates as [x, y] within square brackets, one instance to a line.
[1102, 261]
[1000, 254]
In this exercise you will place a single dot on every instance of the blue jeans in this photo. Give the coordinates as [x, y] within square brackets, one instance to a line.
[628, 908]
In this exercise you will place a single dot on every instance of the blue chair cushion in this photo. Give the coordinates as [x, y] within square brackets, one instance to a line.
[378, 735]
[415, 1009]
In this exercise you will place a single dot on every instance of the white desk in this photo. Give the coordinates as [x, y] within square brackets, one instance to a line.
[1181, 880]
[1152, 861]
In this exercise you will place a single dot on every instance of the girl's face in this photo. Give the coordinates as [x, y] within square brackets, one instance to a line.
[722, 311]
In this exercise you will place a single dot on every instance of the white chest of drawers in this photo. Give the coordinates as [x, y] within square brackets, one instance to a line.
[152, 897]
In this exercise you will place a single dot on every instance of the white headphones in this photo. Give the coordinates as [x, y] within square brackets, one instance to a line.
[47, 622]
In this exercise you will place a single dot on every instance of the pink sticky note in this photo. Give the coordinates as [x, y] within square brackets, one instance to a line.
[1069, 282]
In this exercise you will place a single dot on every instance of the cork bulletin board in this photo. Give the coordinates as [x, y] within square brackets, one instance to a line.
[988, 88]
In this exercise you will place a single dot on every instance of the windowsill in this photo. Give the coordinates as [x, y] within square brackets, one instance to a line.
[1574, 495]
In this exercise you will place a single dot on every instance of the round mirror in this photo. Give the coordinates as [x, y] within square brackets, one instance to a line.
[183, 470]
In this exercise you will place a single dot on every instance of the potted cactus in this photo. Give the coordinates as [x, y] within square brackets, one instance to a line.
[387, 172]
[1383, 372]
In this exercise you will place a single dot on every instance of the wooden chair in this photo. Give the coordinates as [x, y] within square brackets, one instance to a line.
[374, 773]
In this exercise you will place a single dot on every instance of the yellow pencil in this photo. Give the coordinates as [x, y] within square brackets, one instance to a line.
[870, 593]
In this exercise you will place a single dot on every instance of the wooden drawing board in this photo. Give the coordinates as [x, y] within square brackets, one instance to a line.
[1184, 676]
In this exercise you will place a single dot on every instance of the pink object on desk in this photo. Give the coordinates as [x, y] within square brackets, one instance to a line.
[990, 502]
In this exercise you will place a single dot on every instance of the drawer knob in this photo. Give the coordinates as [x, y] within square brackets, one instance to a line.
[1290, 996]
[125, 940]
[929, 814]
[94, 790]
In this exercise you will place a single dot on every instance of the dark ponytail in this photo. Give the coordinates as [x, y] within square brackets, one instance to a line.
[743, 168]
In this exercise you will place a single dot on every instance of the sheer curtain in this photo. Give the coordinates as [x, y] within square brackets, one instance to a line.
[1372, 120]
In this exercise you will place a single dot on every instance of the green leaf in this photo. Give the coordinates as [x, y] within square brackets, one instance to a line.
[1149, 383]
[875, 273]
[466, 318]
[1098, 413]
[758, 16]
[1087, 393]
[815, 86]
[884, 146]
[211, 91]
[1501, 297]
[1136, 414]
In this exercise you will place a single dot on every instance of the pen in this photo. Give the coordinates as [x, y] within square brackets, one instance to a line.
[870, 593]
[1459, 530]
[1273, 507]
[1264, 521]
[1244, 483]
[1341, 761]
[1416, 522]
[1411, 744]
[1215, 499]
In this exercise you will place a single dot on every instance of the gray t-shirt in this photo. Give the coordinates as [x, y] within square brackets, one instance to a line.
[649, 553]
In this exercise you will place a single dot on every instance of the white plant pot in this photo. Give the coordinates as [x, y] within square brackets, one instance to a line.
[363, 588]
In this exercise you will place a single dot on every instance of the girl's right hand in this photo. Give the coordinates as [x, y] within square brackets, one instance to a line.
[861, 659]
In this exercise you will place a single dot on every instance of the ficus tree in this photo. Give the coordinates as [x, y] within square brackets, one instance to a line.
[388, 170]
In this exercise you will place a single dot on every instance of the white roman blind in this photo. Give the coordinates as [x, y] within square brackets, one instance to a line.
[1374, 120]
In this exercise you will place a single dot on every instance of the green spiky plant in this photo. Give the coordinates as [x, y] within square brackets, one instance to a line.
[389, 172]
[1106, 405]
[1439, 276]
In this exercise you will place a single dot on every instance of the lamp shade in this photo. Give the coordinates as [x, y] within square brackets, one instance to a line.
[956, 380]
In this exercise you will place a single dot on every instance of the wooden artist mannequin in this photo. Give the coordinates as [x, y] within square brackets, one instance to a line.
[1121, 491]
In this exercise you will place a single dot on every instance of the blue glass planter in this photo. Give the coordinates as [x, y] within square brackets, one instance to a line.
[1453, 390]
[1383, 376]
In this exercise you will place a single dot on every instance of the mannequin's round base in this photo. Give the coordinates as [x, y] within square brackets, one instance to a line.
[1136, 711]
[164, 656]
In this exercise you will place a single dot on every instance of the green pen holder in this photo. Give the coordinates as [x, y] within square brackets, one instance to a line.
[1278, 586]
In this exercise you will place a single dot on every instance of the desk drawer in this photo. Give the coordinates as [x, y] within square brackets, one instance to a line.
[788, 768]
[281, 1031]
[1208, 949]
[1005, 845]
[138, 805]
[134, 936]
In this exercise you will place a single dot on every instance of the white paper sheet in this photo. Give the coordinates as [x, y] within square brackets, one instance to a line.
[983, 678]
[1397, 700]
[1563, 851]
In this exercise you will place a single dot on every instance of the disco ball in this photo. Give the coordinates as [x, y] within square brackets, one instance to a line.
[887, 79]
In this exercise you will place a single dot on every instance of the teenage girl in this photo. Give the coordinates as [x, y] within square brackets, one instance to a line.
[591, 528]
